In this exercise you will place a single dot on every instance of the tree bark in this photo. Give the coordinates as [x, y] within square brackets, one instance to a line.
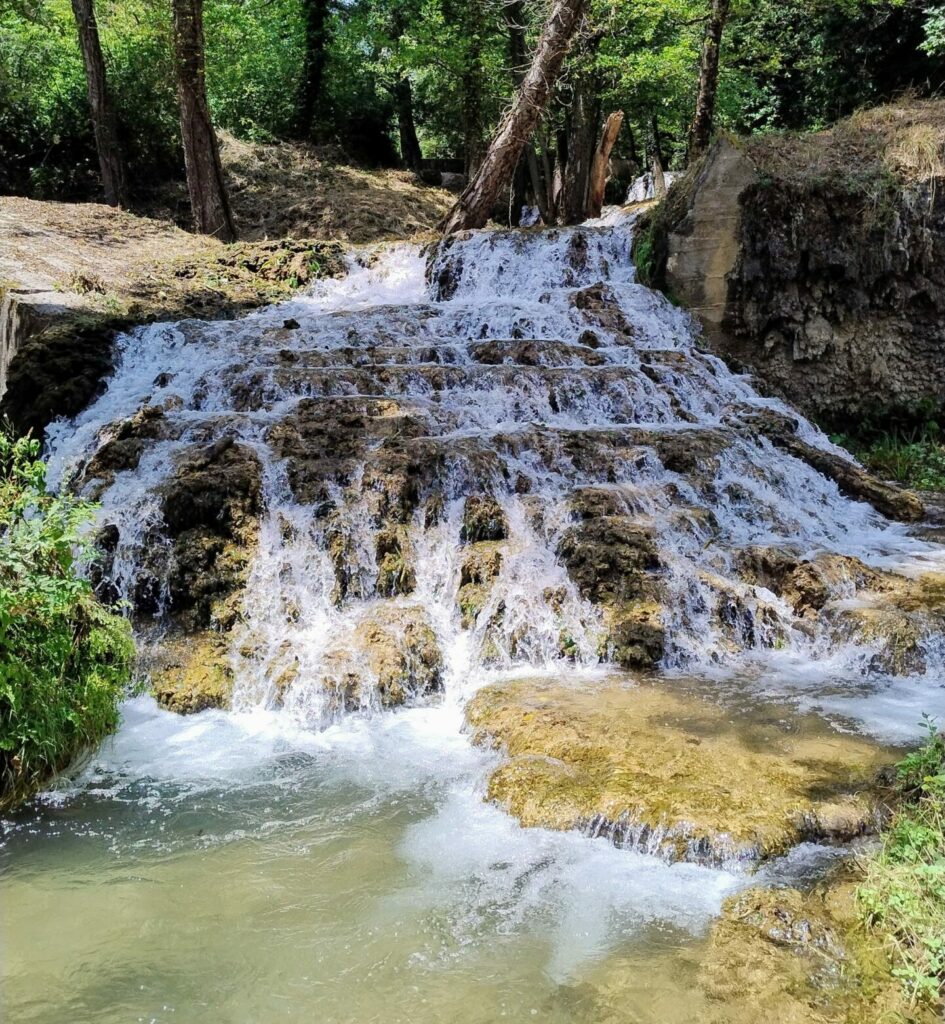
[701, 130]
[515, 21]
[104, 126]
[580, 152]
[598, 186]
[208, 198]
[409, 143]
[474, 206]
[653, 147]
[315, 13]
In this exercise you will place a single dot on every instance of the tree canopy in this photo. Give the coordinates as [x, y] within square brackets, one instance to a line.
[784, 64]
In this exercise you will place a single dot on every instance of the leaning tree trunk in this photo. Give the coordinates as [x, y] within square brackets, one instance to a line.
[315, 13]
[409, 143]
[110, 160]
[701, 130]
[595, 199]
[474, 206]
[208, 198]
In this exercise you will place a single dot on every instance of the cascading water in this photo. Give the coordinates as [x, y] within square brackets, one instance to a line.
[532, 369]
[505, 457]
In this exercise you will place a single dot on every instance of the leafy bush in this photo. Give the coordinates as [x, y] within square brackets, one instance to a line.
[903, 894]
[65, 661]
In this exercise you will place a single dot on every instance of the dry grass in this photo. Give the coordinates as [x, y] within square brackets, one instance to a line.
[905, 139]
[291, 190]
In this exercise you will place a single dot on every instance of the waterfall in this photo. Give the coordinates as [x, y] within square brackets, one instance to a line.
[446, 444]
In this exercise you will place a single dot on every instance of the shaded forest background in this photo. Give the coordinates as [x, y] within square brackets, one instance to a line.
[390, 83]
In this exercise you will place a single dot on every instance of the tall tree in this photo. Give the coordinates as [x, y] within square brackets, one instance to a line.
[701, 130]
[579, 147]
[474, 206]
[208, 198]
[409, 143]
[110, 160]
[315, 15]
[468, 20]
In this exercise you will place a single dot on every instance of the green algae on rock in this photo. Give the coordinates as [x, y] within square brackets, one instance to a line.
[192, 673]
[789, 956]
[671, 773]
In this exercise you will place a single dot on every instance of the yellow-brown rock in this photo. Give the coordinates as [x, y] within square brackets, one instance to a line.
[191, 674]
[658, 769]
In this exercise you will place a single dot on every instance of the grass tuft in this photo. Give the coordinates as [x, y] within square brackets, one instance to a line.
[913, 457]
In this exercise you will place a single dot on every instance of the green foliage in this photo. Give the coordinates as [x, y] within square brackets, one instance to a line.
[913, 456]
[793, 64]
[644, 254]
[903, 894]
[934, 42]
[64, 660]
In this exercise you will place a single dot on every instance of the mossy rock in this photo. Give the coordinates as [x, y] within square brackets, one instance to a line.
[636, 634]
[480, 567]
[670, 773]
[389, 657]
[191, 673]
[789, 956]
[483, 519]
[395, 573]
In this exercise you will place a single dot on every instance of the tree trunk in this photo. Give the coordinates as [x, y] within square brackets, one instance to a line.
[474, 206]
[701, 130]
[595, 201]
[315, 13]
[551, 184]
[110, 160]
[208, 199]
[515, 21]
[538, 184]
[580, 152]
[409, 143]
[653, 146]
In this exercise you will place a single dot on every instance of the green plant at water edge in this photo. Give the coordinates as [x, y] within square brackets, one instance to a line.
[903, 893]
[65, 661]
[913, 458]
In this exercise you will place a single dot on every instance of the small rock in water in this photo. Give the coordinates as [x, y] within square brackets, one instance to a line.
[291, 324]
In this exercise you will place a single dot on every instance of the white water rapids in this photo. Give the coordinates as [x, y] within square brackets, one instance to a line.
[286, 858]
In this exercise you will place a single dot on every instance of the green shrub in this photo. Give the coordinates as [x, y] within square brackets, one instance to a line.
[903, 894]
[65, 661]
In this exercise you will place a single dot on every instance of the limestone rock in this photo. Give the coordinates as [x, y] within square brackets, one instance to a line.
[391, 656]
[190, 674]
[480, 567]
[672, 774]
[211, 508]
[790, 957]
[610, 558]
[483, 519]
[837, 309]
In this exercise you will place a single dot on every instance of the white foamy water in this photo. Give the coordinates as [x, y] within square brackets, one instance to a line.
[500, 373]
[297, 857]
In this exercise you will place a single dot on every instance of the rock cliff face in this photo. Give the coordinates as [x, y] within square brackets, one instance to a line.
[819, 264]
